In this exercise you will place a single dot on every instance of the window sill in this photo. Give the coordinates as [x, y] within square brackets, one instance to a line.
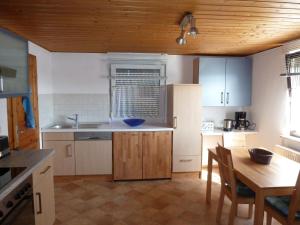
[290, 138]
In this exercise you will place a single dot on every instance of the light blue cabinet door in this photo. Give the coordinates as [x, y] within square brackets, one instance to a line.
[14, 64]
[212, 79]
[238, 81]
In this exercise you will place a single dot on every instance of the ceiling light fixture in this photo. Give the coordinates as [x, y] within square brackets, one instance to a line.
[187, 20]
[193, 29]
[181, 40]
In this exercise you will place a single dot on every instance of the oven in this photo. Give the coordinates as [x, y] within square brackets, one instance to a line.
[16, 208]
[22, 213]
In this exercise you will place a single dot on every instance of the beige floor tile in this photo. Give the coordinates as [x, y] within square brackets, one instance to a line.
[92, 201]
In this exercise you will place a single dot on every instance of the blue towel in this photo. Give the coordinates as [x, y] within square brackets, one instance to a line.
[29, 115]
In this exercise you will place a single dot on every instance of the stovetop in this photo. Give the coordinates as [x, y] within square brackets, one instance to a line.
[9, 173]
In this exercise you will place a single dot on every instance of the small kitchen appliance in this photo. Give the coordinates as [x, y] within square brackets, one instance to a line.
[4, 146]
[228, 124]
[240, 121]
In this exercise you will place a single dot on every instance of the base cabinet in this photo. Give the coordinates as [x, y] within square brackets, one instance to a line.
[76, 157]
[43, 194]
[64, 159]
[142, 155]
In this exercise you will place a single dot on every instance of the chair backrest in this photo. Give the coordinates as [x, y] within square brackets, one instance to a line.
[287, 152]
[234, 140]
[226, 168]
[295, 202]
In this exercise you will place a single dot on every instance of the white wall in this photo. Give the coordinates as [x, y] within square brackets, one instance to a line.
[88, 72]
[269, 96]
[79, 73]
[180, 69]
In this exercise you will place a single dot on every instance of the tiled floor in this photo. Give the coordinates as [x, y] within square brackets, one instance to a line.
[88, 201]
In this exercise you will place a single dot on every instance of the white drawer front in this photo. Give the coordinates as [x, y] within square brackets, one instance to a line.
[183, 163]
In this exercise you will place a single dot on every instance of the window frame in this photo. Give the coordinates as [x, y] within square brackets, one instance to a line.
[140, 65]
[291, 73]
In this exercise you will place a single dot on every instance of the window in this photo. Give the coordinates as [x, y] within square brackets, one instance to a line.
[293, 69]
[138, 91]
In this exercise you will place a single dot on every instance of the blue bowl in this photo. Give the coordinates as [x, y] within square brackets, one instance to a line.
[134, 122]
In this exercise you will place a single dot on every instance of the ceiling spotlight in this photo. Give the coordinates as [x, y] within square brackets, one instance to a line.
[193, 29]
[187, 20]
[181, 40]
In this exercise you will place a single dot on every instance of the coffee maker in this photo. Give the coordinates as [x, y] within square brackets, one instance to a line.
[240, 121]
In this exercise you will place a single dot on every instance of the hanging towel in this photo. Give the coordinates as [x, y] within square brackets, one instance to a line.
[29, 116]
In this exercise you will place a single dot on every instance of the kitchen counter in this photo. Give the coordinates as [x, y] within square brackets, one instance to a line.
[31, 159]
[113, 127]
[221, 132]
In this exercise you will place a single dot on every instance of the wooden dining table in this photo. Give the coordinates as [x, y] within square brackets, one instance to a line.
[276, 179]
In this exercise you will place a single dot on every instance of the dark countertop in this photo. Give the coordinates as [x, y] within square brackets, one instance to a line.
[31, 159]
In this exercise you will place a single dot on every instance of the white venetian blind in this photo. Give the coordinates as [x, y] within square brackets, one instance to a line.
[293, 73]
[138, 91]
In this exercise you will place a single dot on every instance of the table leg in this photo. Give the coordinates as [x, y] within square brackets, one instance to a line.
[209, 177]
[259, 208]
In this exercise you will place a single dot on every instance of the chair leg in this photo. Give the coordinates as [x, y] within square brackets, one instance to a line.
[220, 205]
[269, 219]
[233, 210]
[250, 211]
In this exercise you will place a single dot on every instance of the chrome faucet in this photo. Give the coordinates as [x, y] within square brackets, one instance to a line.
[75, 119]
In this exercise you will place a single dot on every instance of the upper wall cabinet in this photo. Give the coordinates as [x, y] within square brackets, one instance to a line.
[226, 81]
[13, 65]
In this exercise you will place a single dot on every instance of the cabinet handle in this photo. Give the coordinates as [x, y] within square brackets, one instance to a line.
[69, 151]
[39, 195]
[222, 97]
[175, 122]
[46, 170]
[185, 160]
[227, 98]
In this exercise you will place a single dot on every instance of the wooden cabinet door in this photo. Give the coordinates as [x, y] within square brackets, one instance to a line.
[43, 195]
[238, 81]
[157, 151]
[93, 157]
[212, 80]
[127, 156]
[64, 159]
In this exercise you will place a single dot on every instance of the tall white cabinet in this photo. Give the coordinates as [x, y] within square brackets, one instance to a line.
[184, 114]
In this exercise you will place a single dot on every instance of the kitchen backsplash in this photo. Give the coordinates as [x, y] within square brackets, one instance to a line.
[45, 109]
[90, 107]
[218, 114]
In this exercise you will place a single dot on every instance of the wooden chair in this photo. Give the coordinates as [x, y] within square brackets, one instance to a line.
[285, 209]
[236, 191]
[287, 152]
[231, 139]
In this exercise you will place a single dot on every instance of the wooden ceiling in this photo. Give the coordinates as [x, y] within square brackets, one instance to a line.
[227, 27]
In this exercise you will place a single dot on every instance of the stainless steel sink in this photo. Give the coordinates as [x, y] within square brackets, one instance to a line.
[62, 126]
[89, 125]
[81, 126]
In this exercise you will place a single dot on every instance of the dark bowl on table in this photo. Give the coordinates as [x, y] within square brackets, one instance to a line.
[134, 122]
[260, 155]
